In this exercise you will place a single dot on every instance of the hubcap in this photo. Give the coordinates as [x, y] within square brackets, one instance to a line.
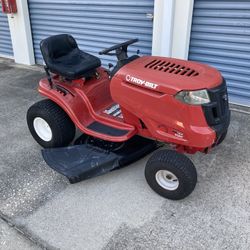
[42, 129]
[167, 180]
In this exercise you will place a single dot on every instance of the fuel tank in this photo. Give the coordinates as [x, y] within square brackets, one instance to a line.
[169, 75]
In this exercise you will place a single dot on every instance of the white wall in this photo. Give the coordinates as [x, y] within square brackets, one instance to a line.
[172, 26]
[163, 27]
[20, 32]
[182, 28]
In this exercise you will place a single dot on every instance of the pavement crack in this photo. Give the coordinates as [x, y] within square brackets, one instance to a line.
[26, 234]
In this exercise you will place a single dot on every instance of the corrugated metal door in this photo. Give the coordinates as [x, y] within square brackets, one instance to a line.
[95, 24]
[5, 40]
[221, 37]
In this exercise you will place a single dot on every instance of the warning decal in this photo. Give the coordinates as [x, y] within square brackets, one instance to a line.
[114, 110]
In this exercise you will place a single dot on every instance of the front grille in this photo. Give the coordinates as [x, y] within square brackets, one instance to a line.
[171, 68]
[217, 111]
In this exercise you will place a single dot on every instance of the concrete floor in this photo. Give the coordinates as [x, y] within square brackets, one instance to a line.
[40, 209]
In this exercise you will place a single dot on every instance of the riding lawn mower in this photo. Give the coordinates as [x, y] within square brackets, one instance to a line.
[126, 112]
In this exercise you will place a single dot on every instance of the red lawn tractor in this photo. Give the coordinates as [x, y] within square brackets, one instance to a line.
[126, 112]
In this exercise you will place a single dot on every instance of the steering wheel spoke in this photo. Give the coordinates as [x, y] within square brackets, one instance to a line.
[111, 54]
[120, 49]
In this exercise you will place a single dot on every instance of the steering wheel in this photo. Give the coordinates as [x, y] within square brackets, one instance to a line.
[120, 49]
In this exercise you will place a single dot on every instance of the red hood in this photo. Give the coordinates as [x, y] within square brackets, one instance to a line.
[169, 75]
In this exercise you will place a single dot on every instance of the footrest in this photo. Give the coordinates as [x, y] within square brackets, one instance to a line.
[105, 129]
[81, 162]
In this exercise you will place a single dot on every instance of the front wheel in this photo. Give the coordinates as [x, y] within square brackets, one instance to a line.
[171, 174]
[50, 125]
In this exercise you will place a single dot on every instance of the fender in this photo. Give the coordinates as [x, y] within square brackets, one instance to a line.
[76, 104]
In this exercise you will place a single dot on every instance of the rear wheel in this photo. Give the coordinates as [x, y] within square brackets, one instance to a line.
[171, 174]
[50, 125]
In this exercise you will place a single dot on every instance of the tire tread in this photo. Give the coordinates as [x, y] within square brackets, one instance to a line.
[61, 120]
[178, 161]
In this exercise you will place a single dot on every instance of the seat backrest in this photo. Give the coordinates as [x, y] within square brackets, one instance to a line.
[57, 46]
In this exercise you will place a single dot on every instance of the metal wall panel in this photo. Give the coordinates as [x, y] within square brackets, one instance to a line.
[5, 39]
[221, 37]
[95, 24]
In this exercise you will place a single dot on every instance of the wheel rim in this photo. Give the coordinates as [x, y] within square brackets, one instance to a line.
[167, 180]
[42, 129]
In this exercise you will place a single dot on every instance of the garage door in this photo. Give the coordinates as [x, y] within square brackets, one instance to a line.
[5, 40]
[95, 24]
[221, 37]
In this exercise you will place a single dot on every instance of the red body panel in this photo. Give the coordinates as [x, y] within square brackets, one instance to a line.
[169, 78]
[145, 90]
[166, 118]
[150, 84]
[85, 103]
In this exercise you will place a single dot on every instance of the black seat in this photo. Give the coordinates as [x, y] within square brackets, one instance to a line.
[63, 57]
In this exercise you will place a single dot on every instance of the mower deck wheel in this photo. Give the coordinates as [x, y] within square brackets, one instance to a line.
[50, 125]
[171, 174]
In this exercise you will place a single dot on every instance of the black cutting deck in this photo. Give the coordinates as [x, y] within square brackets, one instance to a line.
[81, 162]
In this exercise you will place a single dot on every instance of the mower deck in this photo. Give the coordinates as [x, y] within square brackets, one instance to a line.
[87, 160]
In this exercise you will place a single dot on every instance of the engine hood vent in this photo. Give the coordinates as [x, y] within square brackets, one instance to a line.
[171, 68]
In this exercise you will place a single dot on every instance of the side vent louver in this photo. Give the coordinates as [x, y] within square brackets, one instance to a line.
[171, 68]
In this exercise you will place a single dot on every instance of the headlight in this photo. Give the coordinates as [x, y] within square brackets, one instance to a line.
[196, 97]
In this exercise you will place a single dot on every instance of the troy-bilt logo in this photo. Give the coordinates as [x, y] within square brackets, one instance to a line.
[141, 82]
